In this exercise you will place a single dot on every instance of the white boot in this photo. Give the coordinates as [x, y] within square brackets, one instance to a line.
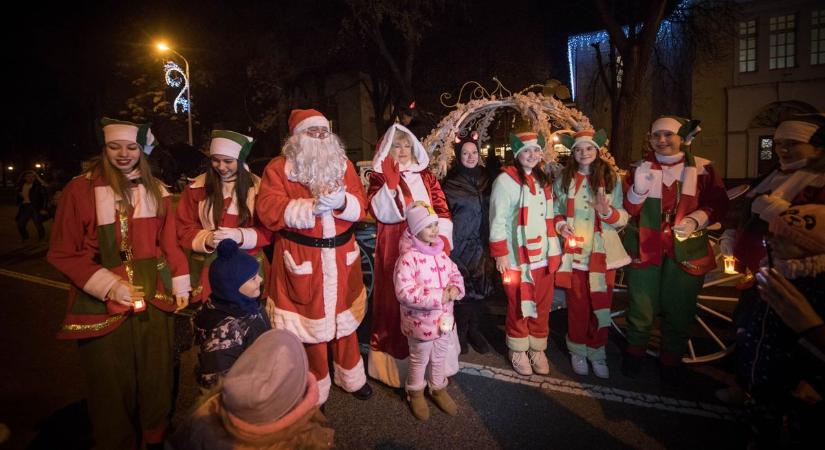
[521, 363]
[600, 368]
[579, 364]
[539, 363]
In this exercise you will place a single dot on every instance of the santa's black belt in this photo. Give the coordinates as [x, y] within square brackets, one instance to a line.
[332, 242]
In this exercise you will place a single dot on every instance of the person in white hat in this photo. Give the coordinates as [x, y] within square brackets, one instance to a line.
[527, 252]
[113, 224]
[311, 197]
[220, 204]
[400, 177]
[589, 212]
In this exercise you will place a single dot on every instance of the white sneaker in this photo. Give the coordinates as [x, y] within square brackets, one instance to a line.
[579, 364]
[521, 363]
[600, 369]
[539, 363]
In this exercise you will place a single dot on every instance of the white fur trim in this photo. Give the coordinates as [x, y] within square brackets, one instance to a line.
[250, 238]
[689, 181]
[120, 132]
[417, 188]
[353, 256]
[311, 121]
[445, 228]
[309, 331]
[329, 274]
[665, 123]
[324, 384]
[298, 214]
[352, 209]
[418, 150]
[105, 199]
[99, 284]
[384, 206]
[224, 147]
[199, 242]
[700, 217]
[305, 268]
[350, 380]
[348, 321]
[180, 284]
[386, 369]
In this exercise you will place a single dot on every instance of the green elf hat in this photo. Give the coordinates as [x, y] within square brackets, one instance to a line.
[687, 129]
[230, 143]
[595, 138]
[528, 139]
[121, 130]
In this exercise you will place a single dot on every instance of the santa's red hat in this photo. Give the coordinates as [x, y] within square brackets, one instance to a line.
[301, 119]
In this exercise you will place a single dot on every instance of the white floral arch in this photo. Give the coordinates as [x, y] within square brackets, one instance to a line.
[547, 115]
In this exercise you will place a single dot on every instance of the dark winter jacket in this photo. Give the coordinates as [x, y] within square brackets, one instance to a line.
[223, 330]
[37, 195]
[468, 197]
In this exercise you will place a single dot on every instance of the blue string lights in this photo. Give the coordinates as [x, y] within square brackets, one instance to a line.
[176, 77]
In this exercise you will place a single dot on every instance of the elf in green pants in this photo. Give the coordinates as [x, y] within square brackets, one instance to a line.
[672, 196]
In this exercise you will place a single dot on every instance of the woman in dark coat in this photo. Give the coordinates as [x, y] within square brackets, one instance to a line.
[467, 188]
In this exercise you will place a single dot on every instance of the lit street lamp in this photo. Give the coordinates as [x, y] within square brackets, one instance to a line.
[165, 48]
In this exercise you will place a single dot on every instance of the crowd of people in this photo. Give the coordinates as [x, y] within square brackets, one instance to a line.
[265, 327]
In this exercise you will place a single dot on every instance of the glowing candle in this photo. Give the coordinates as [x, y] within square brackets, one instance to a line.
[139, 305]
[729, 265]
[571, 242]
[505, 278]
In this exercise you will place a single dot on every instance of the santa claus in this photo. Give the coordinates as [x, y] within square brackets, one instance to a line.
[310, 197]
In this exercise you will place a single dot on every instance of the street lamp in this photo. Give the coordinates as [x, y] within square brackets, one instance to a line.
[162, 47]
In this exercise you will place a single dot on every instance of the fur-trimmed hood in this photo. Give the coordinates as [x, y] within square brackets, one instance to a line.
[384, 145]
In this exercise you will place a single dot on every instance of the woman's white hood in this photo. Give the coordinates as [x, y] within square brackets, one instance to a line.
[385, 144]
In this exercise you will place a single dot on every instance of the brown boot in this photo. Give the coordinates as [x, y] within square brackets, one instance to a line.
[444, 401]
[418, 404]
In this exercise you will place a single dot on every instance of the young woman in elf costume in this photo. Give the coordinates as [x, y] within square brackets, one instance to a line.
[672, 196]
[114, 238]
[527, 252]
[202, 226]
[589, 212]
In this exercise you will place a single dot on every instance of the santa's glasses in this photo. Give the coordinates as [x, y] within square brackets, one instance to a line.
[317, 132]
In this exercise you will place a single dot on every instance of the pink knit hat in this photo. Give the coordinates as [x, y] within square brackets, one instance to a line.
[419, 216]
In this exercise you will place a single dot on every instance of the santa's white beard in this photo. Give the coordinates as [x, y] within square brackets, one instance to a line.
[319, 164]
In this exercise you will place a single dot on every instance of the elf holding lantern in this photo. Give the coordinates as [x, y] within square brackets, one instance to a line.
[588, 214]
[672, 196]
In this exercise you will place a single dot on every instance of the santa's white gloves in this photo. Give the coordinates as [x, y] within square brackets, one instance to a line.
[124, 293]
[727, 241]
[227, 233]
[330, 202]
[685, 228]
[642, 180]
[769, 207]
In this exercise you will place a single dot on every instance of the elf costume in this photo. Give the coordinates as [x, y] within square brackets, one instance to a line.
[98, 240]
[521, 228]
[195, 219]
[667, 273]
[590, 259]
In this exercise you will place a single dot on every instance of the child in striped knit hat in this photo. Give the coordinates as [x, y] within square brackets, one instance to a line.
[589, 212]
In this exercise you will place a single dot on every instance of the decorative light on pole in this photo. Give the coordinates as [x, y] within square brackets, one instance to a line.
[184, 104]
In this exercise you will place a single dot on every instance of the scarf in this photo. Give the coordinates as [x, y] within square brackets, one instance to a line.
[597, 266]
[650, 217]
[526, 255]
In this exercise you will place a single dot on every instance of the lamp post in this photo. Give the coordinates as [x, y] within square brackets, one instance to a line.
[165, 48]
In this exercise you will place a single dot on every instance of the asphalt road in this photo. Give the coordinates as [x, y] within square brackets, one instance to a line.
[42, 387]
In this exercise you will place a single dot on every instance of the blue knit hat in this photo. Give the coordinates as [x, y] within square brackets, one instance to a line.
[231, 269]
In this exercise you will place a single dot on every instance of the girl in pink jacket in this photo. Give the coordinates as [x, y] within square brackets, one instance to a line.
[426, 284]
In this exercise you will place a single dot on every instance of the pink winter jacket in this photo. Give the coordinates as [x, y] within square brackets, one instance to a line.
[422, 272]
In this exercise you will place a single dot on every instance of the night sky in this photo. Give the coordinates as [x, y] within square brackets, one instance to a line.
[73, 62]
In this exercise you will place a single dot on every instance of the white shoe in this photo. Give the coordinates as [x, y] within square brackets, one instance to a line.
[600, 369]
[579, 364]
[539, 363]
[521, 363]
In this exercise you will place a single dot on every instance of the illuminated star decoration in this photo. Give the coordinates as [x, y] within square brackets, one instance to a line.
[175, 81]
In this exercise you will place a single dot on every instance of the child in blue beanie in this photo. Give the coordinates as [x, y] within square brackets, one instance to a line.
[233, 316]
